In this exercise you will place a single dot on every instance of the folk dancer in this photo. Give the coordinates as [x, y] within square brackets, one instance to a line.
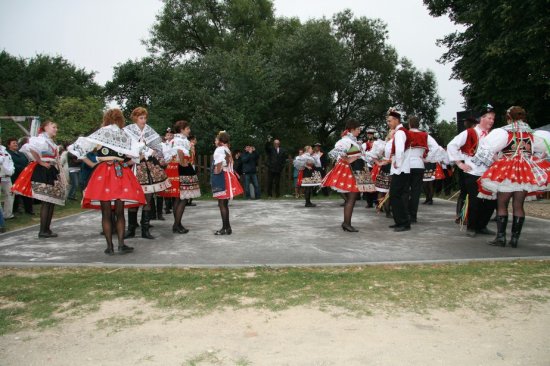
[112, 186]
[41, 179]
[513, 172]
[477, 211]
[148, 169]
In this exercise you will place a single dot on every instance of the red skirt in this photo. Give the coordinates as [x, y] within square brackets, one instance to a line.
[172, 172]
[233, 187]
[300, 178]
[106, 185]
[341, 178]
[374, 172]
[41, 183]
[439, 173]
[518, 173]
[22, 184]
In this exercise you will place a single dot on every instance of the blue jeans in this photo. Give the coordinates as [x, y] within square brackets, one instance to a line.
[1, 217]
[251, 178]
[74, 184]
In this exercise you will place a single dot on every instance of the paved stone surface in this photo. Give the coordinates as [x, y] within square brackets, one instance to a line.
[272, 233]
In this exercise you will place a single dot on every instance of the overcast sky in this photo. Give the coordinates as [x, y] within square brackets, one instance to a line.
[99, 34]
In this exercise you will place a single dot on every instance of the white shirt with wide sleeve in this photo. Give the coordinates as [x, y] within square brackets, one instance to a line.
[401, 158]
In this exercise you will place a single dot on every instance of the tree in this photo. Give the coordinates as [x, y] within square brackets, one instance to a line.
[444, 131]
[76, 117]
[45, 85]
[415, 93]
[231, 64]
[502, 55]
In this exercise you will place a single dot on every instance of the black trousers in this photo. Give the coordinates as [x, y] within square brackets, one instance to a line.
[25, 201]
[273, 179]
[463, 191]
[417, 175]
[479, 210]
[399, 198]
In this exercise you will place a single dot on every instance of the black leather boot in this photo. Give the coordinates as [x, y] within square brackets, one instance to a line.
[517, 225]
[500, 239]
[145, 225]
[132, 225]
[160, 202]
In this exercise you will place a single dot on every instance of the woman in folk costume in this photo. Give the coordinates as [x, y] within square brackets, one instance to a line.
[309, 173]
[41, 179]
[148, 169]
[350, 175]
[164, 198]
[112, 185]
[180, 151]
[514, 172]
[172, 172]
[381, 155]
[225, 184]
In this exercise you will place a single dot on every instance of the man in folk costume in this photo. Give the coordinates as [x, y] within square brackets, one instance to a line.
[400, 172]
[421, 145]
[461, 150]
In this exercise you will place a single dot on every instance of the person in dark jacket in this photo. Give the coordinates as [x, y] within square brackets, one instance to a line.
[276, 159]
[249, 165]
[20, 162]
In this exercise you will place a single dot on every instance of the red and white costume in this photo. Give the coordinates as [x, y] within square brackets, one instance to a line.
[512, 166]
[229, 187]
[309, 170]
[112, 179]
[37, 181]
[346, 177]
[184, 181]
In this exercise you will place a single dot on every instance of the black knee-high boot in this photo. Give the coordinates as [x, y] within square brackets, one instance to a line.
[145, 225]
[169, 203]
[132, 224]
[307, 194]
[160, 201]
[500, 239]
[517, 225]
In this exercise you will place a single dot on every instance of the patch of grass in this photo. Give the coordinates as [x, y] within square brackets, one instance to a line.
[205, 358]
[43, 296]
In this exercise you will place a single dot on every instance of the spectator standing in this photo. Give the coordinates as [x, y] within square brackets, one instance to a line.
[20, 162]
[276, 159]
[6, 171]
[250, 159]
[86, 169]
[74, 175]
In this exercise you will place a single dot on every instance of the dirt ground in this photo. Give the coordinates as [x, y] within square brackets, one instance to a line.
[125, 332]
[540, 209]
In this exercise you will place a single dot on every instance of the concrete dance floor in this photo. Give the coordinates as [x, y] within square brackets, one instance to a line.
[272, 233]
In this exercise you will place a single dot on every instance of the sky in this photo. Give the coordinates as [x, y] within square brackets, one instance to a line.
[99, 34]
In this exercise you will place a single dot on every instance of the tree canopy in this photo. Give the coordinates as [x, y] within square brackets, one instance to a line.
[233, 65]
[52, 88]
[502, 55]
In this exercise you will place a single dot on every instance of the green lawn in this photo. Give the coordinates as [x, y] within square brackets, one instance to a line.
[42, 297]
